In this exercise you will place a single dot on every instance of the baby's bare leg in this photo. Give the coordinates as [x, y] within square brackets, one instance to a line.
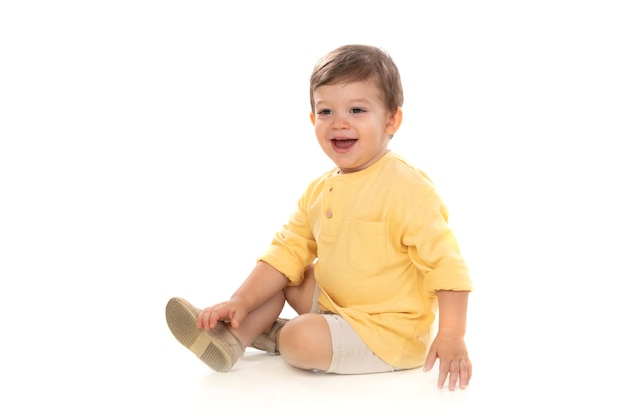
[305, 342]
[259, 320]
[300, 297]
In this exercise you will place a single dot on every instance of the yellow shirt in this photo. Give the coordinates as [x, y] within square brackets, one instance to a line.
[383, 247]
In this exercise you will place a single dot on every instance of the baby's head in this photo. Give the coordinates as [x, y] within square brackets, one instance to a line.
[350, 63]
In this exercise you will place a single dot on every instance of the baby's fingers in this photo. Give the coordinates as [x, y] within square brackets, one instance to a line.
[204, 319]
[209, 317]
[453, 375]
[444, 368]
[458, 372]
[465, 373]
[234, 319]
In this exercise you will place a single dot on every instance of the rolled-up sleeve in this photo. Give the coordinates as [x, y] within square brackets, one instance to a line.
[293, 248]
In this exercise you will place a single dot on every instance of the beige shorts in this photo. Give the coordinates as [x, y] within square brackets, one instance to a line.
[350, 354]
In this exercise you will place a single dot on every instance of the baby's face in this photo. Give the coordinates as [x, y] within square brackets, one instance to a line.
[352, 124]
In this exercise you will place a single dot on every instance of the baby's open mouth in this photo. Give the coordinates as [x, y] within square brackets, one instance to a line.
[343, 143]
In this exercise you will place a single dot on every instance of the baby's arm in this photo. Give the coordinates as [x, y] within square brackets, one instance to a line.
[449, 344]
[263, 283]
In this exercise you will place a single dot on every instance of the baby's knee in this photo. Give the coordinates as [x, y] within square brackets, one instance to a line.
[295, 335]
[305, 342]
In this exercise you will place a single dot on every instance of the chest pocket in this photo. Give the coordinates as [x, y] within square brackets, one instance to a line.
[368, 244]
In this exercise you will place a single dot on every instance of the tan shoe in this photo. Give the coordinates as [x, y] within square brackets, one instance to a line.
[218, 347]
[267, 340]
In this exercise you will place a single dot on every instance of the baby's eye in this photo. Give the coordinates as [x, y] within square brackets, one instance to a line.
[323, 111]
[357, 110]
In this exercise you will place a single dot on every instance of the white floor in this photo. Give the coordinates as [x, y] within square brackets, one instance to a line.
[115, 356]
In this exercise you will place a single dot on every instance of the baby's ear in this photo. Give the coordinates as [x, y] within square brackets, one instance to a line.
[394, 122]
[312, 116]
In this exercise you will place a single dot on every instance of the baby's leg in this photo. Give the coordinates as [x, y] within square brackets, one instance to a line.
[260, 319]
[222, 346]
[350, 354]
[300, 298]
[305, 341]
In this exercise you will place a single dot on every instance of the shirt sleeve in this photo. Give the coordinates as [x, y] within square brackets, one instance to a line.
[293, 248]
[433, 247]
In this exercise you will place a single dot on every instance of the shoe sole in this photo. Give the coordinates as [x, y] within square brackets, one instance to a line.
[181, 318]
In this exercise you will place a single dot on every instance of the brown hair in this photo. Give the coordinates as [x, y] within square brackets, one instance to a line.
[359, 63]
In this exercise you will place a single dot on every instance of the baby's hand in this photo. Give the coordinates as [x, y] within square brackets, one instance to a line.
[229, 311]
[454, 363]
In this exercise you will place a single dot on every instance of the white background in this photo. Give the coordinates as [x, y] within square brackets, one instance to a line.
[151, 149]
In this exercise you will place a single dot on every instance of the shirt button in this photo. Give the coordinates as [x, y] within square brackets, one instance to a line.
[329, 213]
